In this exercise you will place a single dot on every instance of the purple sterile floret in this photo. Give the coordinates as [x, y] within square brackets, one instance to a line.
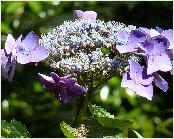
[157, 58]
[29, 50]
[138, 80]
[8, 56]
[78, 14]
[130, 40]
[64, 88]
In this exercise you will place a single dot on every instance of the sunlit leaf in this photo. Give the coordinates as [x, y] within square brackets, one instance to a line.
[137, 134]
[67, 130]
[14, 129]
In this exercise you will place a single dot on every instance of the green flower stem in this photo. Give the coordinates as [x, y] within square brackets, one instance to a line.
[82, 108]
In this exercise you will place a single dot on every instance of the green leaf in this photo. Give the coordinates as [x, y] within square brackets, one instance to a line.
[138, 135]
[13, 6]
[35, 6]
[98, 111]
[114, 123]
[14, 129]
[67, 130]
[97, 130]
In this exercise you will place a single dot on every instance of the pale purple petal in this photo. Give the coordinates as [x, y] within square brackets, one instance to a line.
[145, 91]
[137, 36]
[159, 62]
[78, 14]
[122, 35]
[30, 42]
[89, 15]
[23, 58]
[169, 35]
[9, 44]
[160, 82]
[124, 48]
[40, 53]
[150, 32]
[139, 74]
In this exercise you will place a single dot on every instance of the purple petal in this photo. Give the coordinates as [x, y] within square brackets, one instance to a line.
[122, 35]
[89, 15]
[9, 44]
[4, 58]
[160, 30]
[29, 43]
[23, 58]
[137, 36]
[40, 53]
[169, 35]
[139, 74]
[159, 62]
[124, 48]
[47, 81]
[78, 14]
[145, 91]
[78, 90]
[160, 82]
[150, 32]
[55, 77]
[11, 70]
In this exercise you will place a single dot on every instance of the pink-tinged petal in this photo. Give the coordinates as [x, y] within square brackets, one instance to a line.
[9, 44]
[122, 35]
[169, 35]
[145, 91]
[78, 14]
[89, 15]
[160, 82]
[124, 48]
[159, 62]
[39, 54]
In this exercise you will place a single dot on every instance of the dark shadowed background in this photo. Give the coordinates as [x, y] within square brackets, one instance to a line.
[25, 100]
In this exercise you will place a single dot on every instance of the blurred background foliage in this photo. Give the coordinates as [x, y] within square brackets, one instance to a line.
[25, 100]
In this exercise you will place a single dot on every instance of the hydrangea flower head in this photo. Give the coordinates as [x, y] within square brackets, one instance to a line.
[64, 88]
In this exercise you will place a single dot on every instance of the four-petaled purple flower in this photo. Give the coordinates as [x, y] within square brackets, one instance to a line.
[64, 88]
[157, 58]
[78, 14]
[139, 81]
[25, 51]
[29, 50]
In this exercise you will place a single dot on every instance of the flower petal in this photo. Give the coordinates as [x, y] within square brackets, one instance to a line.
[145, 91]
[160, 82]
[9, 44]
[160, 62]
